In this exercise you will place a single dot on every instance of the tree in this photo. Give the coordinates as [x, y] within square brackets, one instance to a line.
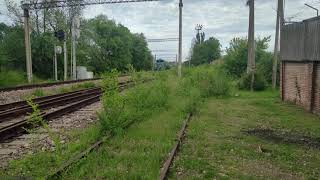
[206, 52]
[141, 55]
[235, 60]
[105, 45]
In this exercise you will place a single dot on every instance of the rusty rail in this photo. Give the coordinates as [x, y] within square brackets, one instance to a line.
[17, 128]
[165, 168]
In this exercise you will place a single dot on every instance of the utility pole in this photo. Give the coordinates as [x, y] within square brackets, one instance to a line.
[180, 38]
[65, 60]
[154, 62]
[55, 64]
[277, 44]
[27, 44]
[75, 34]
[251, 54]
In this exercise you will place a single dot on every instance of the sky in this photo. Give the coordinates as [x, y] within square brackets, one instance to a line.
[222, 19]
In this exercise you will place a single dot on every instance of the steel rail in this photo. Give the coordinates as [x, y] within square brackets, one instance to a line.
[5, 107]
[44, 105]
[40, 85]
[166, 167]
[18, 128]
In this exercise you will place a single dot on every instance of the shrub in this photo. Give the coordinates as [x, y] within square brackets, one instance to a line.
[209, 81]
[259, 84]
[200, 83]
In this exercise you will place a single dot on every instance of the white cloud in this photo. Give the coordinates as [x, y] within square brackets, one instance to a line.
[223, 19]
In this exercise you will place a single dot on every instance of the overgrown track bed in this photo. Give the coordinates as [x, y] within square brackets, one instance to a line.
[70, 102]
[32, 86]
[166, 167]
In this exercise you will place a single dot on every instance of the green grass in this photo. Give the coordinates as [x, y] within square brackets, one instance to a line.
[11, 78]
[137, 152]
[216, 147]
[38, 93]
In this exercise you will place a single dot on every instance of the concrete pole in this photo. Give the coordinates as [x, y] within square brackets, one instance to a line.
[154, 62]
[74, 62]
[276, 47]
[71, 60]
[28, 45]
[180, 39]
[55, 64]
[251, 53]
[251, 46]
[65, 60]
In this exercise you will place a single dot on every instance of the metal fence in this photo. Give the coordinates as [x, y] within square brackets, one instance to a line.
[301, 41]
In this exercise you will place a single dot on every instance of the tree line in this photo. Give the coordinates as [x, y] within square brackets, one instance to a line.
[103, 45]
[235, 59]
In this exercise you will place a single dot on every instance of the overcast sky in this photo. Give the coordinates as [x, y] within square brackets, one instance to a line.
[223, 19]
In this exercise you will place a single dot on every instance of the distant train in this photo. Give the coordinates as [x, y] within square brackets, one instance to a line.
[161, 65]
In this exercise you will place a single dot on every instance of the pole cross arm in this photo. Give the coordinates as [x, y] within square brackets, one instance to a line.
[47, 4]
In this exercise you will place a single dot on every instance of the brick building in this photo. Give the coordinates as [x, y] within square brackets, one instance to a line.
[300, 64]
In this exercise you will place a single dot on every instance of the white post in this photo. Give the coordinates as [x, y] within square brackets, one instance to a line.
[55, 64]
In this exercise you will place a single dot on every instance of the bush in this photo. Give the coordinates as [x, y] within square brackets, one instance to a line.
[11, 78]
[202, 82]
[259, 84]
[209, 81]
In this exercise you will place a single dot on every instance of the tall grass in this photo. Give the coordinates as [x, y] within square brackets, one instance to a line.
[203, 82]
[137, 104]
[11, 78]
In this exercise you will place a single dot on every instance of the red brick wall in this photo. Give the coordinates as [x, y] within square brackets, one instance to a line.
[297, 83]
[317, 90]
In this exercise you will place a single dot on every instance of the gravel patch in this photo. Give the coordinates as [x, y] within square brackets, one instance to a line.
[39, 140]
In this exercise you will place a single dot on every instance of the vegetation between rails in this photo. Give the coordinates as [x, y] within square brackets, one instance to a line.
[155, 110]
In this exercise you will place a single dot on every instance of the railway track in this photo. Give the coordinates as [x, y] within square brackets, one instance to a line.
[13, 116]
[40, 85]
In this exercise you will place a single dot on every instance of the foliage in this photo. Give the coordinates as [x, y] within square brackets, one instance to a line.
[209, 81]
[206, 52]
[35, 119]
[11, 78]
[38, 93]
[140, 102]
[235, 60]
[141, 56]
[258, 85]
[200, 83]
[105, 45]
[12, 55]
[111, 119]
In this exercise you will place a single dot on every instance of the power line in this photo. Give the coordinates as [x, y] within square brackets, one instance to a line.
[73, 3]
[162, 40]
